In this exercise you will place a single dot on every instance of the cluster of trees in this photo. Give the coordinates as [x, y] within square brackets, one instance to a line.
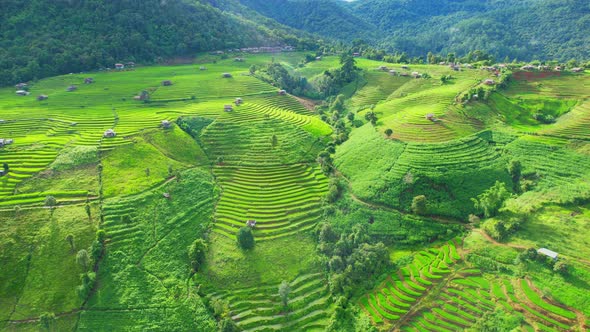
[88, 260]
[277, 74]
[351, 258]
[490, 201]
[560, 266]
[41, 38]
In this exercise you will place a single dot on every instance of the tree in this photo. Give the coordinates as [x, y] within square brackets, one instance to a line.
[47, 320]
[274, 141]
[6, 168]
[228, 325]
[197, 253]
[491, 200]
[147, 171]
[50, 201]
[245, 238]
[70, 239]
[83, 259]
[219, 160]
[253, 69]
[419, 204]
[101, 236]
[88, 211]
[170, 170]
[515, 170]
[284, 290]
[560, 267]
[371, 117]
[388, 132]
[350, 116]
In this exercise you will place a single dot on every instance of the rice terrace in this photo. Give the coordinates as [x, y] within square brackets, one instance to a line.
[303, 185]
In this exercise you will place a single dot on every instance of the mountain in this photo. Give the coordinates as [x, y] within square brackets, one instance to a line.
[527, 29]
[40, 38]
[324, 17]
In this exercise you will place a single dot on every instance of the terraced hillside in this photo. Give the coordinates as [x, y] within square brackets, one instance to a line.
[260, 308]
[438, 292]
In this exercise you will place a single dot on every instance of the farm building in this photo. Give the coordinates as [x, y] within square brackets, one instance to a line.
[21, 86]
[356, 54]
[143, 96]
[226, 75]
[109, 133]
[166, 124]
[393, 72]
[430, 117]
[42, 97]
[22, 93]
[416, 74]
[71, 88]
[2, 172]
[238, 101]
[88, 80]
[119, 66]
[130, 64]
[489, 82]
[318, 58]
[251, 223]
[167, 83]
[202, 68]
[5, 141]
[577, 70]
[282, 92]
[549, 253]
[228, 108]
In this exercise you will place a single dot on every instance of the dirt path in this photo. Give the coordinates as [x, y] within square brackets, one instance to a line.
[309, 104]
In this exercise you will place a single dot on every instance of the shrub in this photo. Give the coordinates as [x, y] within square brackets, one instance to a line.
[196, 254]
[245, 238]
[419, 204]
[491, 200]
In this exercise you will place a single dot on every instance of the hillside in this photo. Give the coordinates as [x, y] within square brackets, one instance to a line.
[43, 38]
[524, 30]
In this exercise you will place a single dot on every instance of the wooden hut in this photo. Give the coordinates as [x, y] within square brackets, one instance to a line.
[489, 82]
[22, 93]
[282, 92]
[238, 101]
[226, 75]
[42, 97]
[430, 117]
[88, 80]
[167, 83]
[228, 108]
[109, 133]
[119, 66]
[166, 124]
[71, 88]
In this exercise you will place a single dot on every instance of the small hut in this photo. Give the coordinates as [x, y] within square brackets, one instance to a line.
[119, 66]
[166, 124]
[239, 59]
[109, 133]
[202, 68]
[21, 86]
[42, 97]
[405, 67]
[558, 68]
[393, 72]
[238, 101]
[318, 58]
[228, 108]
[549, 253]
[166, 195]
[282, 92]
[577, 70]
[22, 93]
[226, 75]
[404, 74]
[251, 223]
[5, 141]
[144, 95]
[88, 80]
[430, 117]
[356, 54]
[130, 64]
[489, 82]
[416, 74]
[71, 88]
[382, 68]
[167, 83]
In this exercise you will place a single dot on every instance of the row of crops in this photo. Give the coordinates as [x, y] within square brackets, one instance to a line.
[439, 292]
[261, 309]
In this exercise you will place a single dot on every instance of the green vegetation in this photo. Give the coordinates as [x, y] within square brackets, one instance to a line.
[378, 207]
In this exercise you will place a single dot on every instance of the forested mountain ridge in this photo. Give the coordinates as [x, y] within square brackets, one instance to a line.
[529, 29]
[42, 38]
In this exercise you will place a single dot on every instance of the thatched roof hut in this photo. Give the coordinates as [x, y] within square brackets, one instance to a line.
[109, 133]
[282, 92]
